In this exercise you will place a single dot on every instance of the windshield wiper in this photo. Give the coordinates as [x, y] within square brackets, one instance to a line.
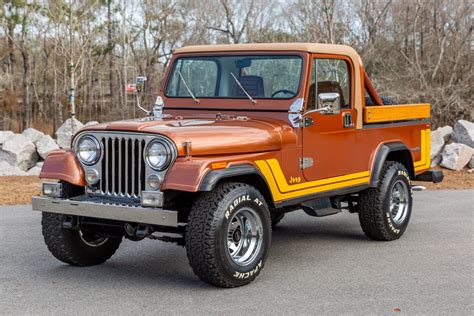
[187, 87]
[241, 87]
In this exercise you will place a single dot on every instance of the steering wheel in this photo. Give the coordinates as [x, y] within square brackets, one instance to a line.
[283, 91]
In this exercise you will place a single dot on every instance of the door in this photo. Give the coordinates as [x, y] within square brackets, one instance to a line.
[329, 138]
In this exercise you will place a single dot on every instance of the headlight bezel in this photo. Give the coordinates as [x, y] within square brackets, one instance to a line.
[98, 151]
[169, 154]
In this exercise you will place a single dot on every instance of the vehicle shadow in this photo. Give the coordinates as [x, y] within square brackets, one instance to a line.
[151, 263]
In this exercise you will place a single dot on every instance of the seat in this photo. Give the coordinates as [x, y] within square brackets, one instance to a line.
[252, 84]
[325, 87]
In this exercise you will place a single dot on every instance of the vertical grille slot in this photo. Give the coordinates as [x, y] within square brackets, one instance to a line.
[123, 169]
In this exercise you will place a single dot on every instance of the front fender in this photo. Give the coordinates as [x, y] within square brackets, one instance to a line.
[63, 165]
[197, 174]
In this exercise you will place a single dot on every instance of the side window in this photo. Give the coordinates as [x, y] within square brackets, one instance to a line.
[200, 75]
[330, 75]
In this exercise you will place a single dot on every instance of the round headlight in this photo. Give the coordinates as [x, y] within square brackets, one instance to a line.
[158, 155]
[88, 150]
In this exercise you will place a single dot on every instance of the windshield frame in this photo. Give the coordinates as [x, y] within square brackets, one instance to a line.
[211, 55]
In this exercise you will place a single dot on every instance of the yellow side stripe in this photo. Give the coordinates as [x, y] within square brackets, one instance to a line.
[425, 161]
[271, 170]
[285, 187]
[281, 190]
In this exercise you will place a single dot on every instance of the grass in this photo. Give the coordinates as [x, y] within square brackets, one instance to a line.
[19, 190]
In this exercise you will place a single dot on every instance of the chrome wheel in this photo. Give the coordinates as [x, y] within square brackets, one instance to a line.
[92, 240]
[399, 201]
[244, 236]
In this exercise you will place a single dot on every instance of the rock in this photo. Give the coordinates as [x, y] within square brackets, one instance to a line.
[66, 131]
[32, 134]
[36, 170]
[19, 151]
[435, 162]
[8, 170]
[4, 135]
[456, 156]
[463, 133]
[446, 131]
[471, 163]
[91, 123]
[45, 145]
[437, 143]
[470, 171]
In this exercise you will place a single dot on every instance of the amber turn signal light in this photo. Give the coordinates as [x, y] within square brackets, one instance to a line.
[218, 165]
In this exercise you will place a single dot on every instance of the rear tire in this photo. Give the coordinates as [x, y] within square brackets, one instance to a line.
[384, 211]
[228, 235]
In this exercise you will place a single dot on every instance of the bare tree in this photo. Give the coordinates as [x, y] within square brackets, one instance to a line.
[80, 54]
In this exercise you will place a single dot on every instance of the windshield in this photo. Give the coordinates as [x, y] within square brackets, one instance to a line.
[247, 77]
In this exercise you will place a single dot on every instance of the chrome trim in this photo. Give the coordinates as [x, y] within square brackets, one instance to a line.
[399, 200]
[306, 162]
[135, 214]
[97, 143]
[244, 236]
[295, 113]
[139, 143]
[167, 144]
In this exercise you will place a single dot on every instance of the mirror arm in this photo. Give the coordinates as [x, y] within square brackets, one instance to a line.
[139, 106]
[326, 109]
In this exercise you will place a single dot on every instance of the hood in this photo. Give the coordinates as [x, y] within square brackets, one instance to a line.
[210, 135]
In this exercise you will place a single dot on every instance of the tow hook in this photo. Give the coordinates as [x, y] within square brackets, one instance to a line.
[418, 188]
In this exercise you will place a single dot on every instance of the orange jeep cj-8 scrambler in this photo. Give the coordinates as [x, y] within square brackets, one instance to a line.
[239, 135]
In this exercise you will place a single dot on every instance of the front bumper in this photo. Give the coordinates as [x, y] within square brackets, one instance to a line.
[120, 212]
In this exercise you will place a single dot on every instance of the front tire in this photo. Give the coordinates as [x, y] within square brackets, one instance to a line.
[384, 211]
[75, 247]
[228, 235]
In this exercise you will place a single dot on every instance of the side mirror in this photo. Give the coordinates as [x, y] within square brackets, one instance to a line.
[140, 83]
[329, 103]
[140, 87]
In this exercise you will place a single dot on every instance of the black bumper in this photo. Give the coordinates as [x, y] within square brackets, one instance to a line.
[434, 176]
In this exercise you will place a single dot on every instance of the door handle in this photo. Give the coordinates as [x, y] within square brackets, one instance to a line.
[347, 120]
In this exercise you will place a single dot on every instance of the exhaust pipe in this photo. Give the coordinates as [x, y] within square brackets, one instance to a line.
[418, 188]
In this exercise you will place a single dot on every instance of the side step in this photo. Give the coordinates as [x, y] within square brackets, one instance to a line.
[435, 176]
[319, 208]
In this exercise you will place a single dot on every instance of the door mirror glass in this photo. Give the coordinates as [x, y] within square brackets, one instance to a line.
[329, 103]
[140, 84]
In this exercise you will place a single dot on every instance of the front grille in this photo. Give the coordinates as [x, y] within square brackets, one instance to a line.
[123, 166]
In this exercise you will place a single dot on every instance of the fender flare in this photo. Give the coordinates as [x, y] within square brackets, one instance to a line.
[381, 157]
[63, 165]
[212, 177]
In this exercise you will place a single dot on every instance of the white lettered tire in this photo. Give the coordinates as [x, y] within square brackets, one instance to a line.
[228, 235]
[384, 211]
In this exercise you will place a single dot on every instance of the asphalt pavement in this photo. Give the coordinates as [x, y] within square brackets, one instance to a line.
[316, 266]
